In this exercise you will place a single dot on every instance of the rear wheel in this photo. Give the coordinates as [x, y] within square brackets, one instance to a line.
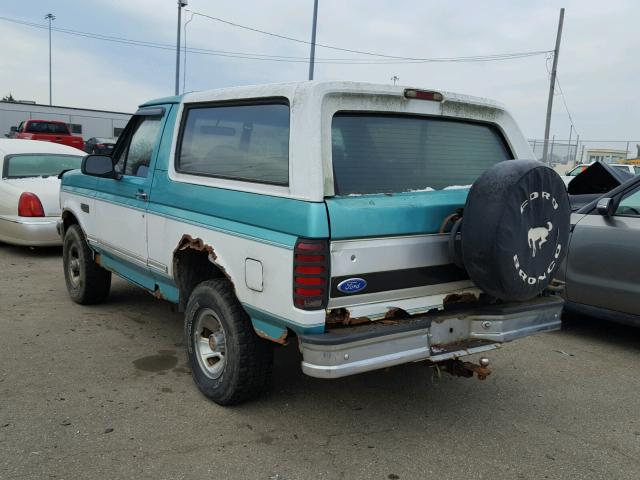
[230, 363]
[87, 282]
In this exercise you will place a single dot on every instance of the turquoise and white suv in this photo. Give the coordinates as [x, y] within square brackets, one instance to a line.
[315, 213]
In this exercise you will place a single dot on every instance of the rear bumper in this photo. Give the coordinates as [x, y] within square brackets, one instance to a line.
[437, 337]
[36, 232]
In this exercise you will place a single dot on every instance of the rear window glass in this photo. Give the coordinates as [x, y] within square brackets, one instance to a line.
[244, 142]
[47, 127]
[384, 153]
[38, 165]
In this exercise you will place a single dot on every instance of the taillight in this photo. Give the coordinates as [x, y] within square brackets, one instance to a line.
[29, 205]
[310, 274]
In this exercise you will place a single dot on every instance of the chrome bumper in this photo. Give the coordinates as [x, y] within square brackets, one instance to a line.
[36, 231]
[439, 337]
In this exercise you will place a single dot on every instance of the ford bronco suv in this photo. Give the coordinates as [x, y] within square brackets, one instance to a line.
[373, 225]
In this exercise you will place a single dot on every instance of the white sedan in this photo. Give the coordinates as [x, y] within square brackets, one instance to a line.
[30, 188]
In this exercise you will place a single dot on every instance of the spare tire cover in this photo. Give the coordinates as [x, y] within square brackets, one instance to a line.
[515, 229]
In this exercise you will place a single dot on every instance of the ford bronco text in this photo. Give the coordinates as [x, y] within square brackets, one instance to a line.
[373, 225]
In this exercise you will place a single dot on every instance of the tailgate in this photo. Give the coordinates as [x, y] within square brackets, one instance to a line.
[397, 252]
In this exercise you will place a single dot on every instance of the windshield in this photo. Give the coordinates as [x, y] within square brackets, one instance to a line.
[47, 127]
[38, 165]
[577, 171]
[385, 153]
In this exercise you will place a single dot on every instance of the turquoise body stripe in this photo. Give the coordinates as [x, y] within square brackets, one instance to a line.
[274, 219]
[274, 326]
[412, 213]
[75, 182]
[134, 273]
[269, 325]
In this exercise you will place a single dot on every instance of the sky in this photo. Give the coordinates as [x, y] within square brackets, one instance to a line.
[598, 65]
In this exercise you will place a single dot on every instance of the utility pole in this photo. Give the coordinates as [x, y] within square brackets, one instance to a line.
[552, 86]
[184, 63]
[312, 54]
[181, 3]
[50, 17]
[569, 145]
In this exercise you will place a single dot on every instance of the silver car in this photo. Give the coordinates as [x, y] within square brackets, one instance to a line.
[602, 269]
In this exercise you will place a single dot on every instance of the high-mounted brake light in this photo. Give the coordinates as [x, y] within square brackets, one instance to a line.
[29, 205]
[310, 274]
[423, 95]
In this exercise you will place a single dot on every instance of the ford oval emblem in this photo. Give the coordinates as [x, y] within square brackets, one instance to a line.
[352, 285]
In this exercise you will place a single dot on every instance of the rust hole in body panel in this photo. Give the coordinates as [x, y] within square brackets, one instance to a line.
[158, 293]
[194, 261]
[341, 317]
[187, 241]
[454, 298]
[282, 339]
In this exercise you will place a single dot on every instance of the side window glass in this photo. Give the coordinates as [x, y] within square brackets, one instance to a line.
[141, 147]
[630, 204]
[119, 156]
[244, 142]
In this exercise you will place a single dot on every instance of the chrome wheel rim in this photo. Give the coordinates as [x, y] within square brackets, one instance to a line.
[74, 265]
[209, 340]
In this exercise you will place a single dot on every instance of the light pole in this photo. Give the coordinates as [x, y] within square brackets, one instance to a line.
[50, 16]
[312, 54]
[181, 3]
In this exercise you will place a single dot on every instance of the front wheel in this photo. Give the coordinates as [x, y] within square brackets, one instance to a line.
[230, 363]
[87, 282]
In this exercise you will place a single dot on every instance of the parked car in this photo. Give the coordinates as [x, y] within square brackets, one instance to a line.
[330, 224]
[99, 145]
[29, 190]
[601, 273]
[48, 131]
[622, 167]
[596, 180]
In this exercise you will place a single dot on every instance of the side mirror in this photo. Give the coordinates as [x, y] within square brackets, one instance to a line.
[98, 166]
[13, 129]
[605, 207]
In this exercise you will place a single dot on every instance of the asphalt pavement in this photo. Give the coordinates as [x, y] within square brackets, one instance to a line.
[104, 392]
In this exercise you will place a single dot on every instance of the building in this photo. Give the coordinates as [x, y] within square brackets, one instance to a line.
[82, 121]
[606, 155]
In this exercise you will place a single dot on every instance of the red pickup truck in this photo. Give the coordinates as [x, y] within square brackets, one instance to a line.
[48, 131]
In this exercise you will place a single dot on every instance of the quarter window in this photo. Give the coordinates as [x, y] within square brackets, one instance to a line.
[244, 142]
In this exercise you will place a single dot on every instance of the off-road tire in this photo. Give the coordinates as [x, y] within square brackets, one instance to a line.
[92, 283]
[248, 358]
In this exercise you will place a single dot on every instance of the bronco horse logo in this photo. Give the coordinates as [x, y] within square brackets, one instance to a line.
[539, 235]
